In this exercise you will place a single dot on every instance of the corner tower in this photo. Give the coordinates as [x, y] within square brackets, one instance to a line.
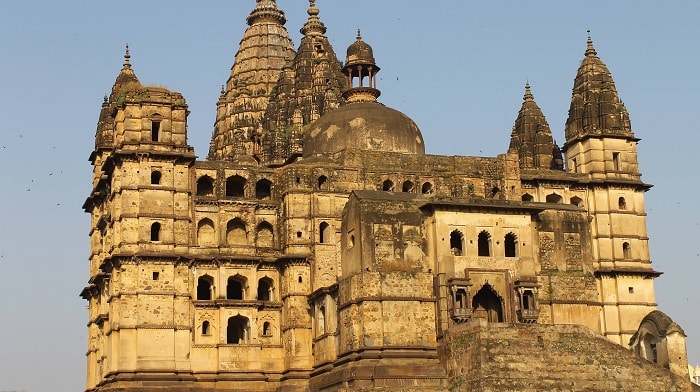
[600, 144]
[263, 52]
[140, 219]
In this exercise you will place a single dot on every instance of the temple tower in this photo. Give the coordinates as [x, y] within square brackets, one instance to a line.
[263, 52]
[601, 145]
[308, 87]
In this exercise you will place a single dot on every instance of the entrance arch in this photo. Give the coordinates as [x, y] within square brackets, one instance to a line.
[488, 305]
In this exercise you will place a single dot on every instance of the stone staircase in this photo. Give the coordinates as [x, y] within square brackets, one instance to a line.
[482, 357]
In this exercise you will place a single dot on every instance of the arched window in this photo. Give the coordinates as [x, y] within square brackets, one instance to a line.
[267, 330]
[324, 233]
[205, 328]
[621, 203]
[264, 236]
[626, 251]
[407, 186]
[265, 289]
[263, 190]
[206, 236]
[457, 243]
[155, 177]
[237, 331]
[323, 183]
[554, 198]
[236, 233]
[235, 287]
[577, 201]
[427, 188]
[235, 186]
[205, 186]
[510, 245]
[484, 244]
[155, 231]
[205, 288]
[527, 197]
[321, 320]
[388, 186]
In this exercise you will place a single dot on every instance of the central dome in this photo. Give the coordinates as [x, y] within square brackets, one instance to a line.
[364, 126]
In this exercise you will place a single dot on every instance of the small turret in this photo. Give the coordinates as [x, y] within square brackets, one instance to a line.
[360, 64]
[599, 138]
[596, 109]
[532, 137]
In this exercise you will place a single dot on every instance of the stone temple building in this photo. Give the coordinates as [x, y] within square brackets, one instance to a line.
[319, 248]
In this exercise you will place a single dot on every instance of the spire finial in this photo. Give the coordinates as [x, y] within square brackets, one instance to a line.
[313, 25]
[127, 57]
[359, 35]
[590, 50]
[528, 94]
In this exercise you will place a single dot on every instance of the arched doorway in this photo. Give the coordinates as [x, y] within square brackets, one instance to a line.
[487, 304]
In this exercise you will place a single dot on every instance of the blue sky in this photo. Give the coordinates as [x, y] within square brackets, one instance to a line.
[458, 68]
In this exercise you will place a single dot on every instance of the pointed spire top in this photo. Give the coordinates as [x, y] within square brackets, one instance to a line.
[313, 25]
[127, 57]
[590, 50]
[106, 98]
[528, 97]
[266, 11]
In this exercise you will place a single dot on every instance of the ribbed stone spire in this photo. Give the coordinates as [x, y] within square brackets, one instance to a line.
[532, 137]
[309, 86]
[596, 109]
[263, 52]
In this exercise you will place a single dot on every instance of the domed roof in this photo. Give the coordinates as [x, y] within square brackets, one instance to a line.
[364, 126]
[359, 52]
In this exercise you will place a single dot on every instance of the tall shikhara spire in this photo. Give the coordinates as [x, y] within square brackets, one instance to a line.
[264, 50]
[596, 109]
[309, 86]
[532, 137]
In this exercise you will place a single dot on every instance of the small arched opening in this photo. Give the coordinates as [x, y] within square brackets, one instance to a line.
[237, 330]
[155, 232]
[206, 235]
[387, 186]
[407, 186]
[236, 233]
[235, 186]
[265, 289]
[527, 197]
[264, 235]
[484, 244]
[235, 288]
[427, 188]
[510, 245]
[554, 198]
[205, 288]
[456, 243]
[324, 233]
[263, 190]
[205, 186]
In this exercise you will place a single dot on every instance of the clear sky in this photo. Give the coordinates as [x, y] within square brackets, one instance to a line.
[457, 67]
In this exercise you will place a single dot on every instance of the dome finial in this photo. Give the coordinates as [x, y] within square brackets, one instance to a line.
[359, 34]
[590, 50]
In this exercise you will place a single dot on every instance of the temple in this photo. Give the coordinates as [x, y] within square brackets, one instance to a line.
[320, 248]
